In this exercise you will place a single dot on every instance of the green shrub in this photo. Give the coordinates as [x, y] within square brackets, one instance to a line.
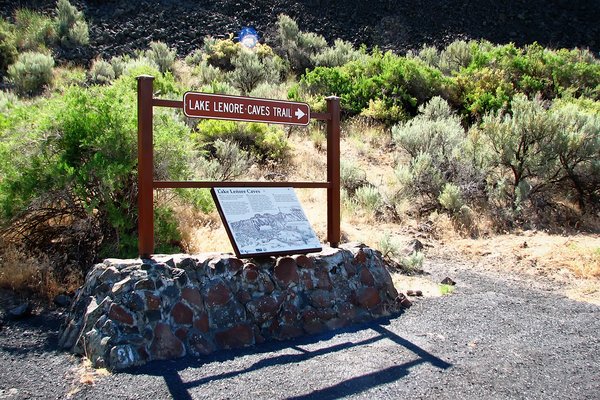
[8, 51]
[341, 53]
[118, 64]
[264, 142]
[287, 30]
[102, 72]
[33, 31]
[451, 198]
[484, 90]
[31, 73]
[246, 67]
[275, 68]
[85, 161]
[164, 84]
[437, 130]
[161, 55]
[137, 65]
[65, 77]
[536, 70]
[351, 176]
[268, 90]
[70, 24]
[78, 179]
[368, 198]
[577, 72]
[79, 34]
[165, 226]
[195, 58]
[219, 87]
[577, 148]
[457, 55]
[298, 48]
[438, 149]
[174, 152]
[421, 179]
[379, 111]
[388, 247]
[221, 52]
[229, 162]
[248, 72]
[319, 139]
[207, 74]
[430, 56]
[396, 84]
[413, 262]
[523, 144]
[7, 100]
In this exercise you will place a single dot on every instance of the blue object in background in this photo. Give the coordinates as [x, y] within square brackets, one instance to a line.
[248, 37]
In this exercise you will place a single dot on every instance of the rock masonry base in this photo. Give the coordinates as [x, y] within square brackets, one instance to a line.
[130, 312]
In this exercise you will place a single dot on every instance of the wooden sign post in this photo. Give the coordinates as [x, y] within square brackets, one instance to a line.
[232, 108]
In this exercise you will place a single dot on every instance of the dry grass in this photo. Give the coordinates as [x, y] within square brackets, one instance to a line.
[572, 261]
[25, 273]
[577, 255]
[85, 375]
[404, 283]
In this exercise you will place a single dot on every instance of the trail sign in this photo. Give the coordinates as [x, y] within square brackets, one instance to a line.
[250, 109]
[237, 108]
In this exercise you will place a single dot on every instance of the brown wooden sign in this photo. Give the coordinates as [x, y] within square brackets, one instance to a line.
[250, 109]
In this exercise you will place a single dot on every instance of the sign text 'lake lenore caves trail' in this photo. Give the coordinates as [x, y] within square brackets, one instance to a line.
[250, 109]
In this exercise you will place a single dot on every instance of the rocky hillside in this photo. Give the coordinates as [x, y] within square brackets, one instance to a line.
[118, 26]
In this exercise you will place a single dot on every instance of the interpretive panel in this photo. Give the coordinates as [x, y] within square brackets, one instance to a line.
[265, 221]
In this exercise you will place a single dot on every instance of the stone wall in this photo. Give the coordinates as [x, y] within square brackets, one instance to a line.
[130, 312]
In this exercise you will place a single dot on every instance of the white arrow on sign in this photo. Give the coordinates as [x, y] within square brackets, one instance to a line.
[299, 113]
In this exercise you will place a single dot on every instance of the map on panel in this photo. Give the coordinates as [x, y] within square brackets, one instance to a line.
[265, 221]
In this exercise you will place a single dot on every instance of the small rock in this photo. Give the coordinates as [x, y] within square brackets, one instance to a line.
[417, 293]
[235, 337]
[62, 300]
[448, 281]
[20, 311]
[414, 246]
[403, 301]
[286, 272]
[368, 297]
[165, 344]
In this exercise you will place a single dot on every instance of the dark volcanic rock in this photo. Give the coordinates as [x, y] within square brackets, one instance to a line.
[120, 26]
[21, 311]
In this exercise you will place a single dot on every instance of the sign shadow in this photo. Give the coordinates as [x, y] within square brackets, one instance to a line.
[183, 390]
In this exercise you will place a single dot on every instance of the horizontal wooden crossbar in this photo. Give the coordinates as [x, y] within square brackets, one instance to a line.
[167, 103]
[320, 116]
[211, 184]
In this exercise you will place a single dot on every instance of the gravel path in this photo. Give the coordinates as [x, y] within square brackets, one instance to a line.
[495, 337]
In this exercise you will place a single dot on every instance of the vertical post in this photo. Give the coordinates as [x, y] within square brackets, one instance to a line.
[333, 172]
[145, 167]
